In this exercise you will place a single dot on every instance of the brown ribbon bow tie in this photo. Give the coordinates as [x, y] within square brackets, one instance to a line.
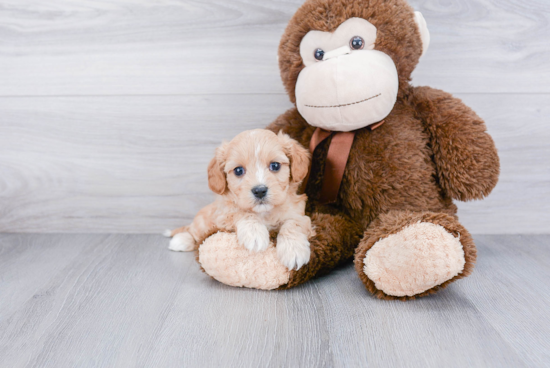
[337, 158]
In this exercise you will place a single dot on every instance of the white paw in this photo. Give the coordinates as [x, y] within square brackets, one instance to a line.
[182, 242]
[253, 236]
[293, 251]
[167, 233]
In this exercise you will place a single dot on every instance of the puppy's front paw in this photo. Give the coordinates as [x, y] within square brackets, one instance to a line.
[253, 236]
[182, 242]
[293, 250]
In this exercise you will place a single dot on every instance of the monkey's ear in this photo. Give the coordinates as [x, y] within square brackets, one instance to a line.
[424, 33]
[298, 155]
[216, 176]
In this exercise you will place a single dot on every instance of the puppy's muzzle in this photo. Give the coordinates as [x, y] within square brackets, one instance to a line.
[259, 191]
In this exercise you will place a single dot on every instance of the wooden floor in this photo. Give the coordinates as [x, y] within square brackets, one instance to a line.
[125, 300]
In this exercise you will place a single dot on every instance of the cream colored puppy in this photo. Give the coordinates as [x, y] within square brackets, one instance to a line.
[256, 177]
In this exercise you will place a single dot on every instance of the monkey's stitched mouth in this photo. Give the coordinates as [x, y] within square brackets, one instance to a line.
[348, 104]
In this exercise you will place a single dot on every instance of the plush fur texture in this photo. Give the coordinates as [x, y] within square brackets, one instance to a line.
[234, 265]
[397, 36]
[393, 222]
[417, 258]
[237, 209]
[430, 150]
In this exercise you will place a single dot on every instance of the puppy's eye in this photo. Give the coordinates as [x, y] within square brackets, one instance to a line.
[356, 43]
[275, 166]
[239, 171]
[318, 54]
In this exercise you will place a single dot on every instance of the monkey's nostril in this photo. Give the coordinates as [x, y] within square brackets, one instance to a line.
[259, 191]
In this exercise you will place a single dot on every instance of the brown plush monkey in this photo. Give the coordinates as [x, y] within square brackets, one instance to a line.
[347, 64]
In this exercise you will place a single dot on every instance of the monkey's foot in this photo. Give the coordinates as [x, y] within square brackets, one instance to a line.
[223, 258]
[406, 255]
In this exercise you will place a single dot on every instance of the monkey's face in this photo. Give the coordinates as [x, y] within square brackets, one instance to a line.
[346, 84]
[344, 61]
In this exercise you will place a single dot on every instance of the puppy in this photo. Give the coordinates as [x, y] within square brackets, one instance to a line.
[256, 178]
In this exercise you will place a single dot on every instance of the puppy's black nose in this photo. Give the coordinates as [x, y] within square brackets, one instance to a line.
[259, 191]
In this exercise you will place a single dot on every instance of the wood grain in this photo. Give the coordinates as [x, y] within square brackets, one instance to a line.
[125, 300]
[519, 126]
[109, 113]
[123, 47]
[112, 109]
[486, 45]
[516, 260]
[137, 164]
[108, 164]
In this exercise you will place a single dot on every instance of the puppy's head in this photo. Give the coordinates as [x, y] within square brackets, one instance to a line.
[258, 168]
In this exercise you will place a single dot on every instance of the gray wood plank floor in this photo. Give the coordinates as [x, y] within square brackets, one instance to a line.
[125, 300]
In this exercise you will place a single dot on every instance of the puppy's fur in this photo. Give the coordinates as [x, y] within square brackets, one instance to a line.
[237, 209]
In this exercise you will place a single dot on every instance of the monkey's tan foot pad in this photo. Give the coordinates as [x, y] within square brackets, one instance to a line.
[222, 257]
[417, 258]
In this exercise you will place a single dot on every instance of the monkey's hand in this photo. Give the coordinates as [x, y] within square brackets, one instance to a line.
[465, 155]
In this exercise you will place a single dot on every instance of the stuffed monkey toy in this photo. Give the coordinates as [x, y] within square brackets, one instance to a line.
[388, 159]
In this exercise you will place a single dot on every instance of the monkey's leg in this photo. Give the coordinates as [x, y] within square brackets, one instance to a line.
[225, 260]
[406, 254]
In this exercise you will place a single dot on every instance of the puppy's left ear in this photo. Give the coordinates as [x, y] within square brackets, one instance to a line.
[298, 155]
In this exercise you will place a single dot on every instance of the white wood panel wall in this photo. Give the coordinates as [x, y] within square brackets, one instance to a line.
[111, 110]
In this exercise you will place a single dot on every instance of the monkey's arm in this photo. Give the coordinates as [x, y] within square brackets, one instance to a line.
[464, 153]
[334, 242]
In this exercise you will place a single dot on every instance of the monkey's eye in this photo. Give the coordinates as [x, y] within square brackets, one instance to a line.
[356, 43]
[275, 166]
[319, 53]
[239, 171]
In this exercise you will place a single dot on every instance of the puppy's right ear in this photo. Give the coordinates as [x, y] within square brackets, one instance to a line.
[298, 155]
[216, 176]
